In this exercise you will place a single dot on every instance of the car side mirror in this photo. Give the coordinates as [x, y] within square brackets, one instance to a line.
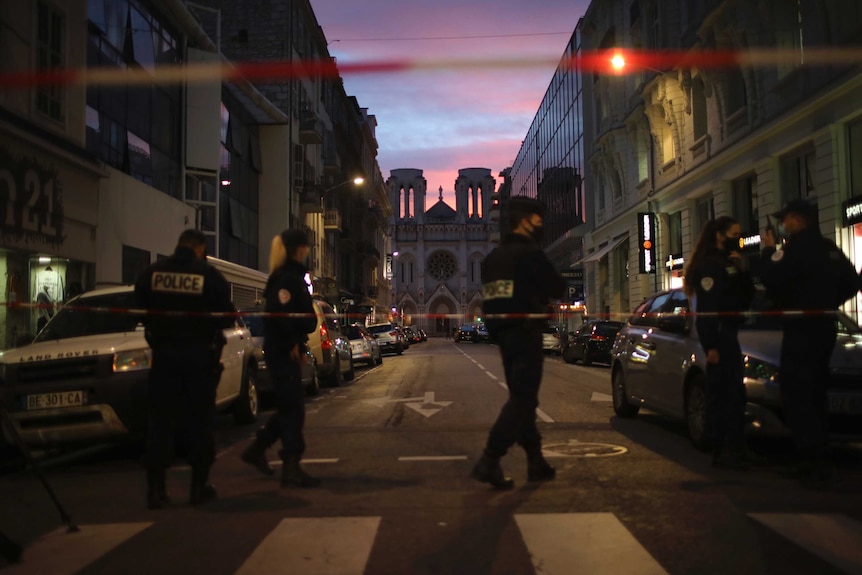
[673, 323]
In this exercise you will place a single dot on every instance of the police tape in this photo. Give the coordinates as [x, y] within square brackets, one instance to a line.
[550, 316]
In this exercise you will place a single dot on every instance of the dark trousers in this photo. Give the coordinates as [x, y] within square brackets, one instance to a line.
[181, 397]
[523, 360]
[725, 394]
[289, 418]
[804, 379]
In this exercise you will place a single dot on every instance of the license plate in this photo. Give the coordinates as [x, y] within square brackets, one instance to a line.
[845, 403]
[55, 400]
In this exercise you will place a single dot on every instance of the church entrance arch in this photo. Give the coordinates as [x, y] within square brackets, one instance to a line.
[443, 310]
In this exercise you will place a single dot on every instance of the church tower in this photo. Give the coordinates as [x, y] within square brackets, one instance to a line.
[407, 194]
[474, 190]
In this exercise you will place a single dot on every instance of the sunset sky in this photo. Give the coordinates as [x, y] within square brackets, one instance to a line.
[441, 121]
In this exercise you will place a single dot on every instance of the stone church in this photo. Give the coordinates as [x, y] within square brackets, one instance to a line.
[436, 283]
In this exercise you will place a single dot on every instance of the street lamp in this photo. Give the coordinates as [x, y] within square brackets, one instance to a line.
[358, 181]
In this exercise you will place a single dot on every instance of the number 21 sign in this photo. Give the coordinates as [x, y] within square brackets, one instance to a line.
[31, 200]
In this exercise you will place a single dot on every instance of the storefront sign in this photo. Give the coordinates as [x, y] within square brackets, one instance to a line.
[852, 211]
[646, 244]
[388, 266]
[749, 243]
[577, 274]
[675, 262]
[31, 200]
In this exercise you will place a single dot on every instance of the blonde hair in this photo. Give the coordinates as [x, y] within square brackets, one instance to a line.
[277, 254]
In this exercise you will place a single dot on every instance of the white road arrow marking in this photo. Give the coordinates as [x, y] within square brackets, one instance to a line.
[425, 405]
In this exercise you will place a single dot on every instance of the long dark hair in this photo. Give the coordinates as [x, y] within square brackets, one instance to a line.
[705, 249]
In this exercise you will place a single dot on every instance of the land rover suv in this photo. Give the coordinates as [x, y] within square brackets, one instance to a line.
[84, 377]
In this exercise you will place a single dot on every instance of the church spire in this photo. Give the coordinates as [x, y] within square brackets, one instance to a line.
[441, 193]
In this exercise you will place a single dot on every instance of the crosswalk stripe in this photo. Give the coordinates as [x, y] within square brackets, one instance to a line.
[836, 539]
[595, 543]
[62, 553]
[315, 546]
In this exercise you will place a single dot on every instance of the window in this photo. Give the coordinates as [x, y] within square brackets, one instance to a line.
[705, 211]
[50, 55]
[797, 176]
[736, 97]
[745, 204]
[854, 138]
[788, 34]
[674, 230]
[647, 313]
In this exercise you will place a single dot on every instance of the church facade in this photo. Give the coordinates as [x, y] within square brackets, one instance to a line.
[438, 253]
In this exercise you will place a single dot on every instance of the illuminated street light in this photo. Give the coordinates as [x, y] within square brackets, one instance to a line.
[358, 181]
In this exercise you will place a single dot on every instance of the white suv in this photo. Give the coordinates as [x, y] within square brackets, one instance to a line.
[389, 339]
[84, 378]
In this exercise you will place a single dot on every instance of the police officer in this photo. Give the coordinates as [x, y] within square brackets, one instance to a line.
[810, 273]
[290, 318]
[186, 361]
[723, 288]
[518, 283]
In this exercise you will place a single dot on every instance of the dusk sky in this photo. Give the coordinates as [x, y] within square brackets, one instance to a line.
[441, 121]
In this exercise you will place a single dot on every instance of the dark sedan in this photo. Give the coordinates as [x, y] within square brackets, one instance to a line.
[467, 332]
[593, 342]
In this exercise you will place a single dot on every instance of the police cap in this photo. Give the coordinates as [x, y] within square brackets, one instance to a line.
[802, 208]
[292, 239]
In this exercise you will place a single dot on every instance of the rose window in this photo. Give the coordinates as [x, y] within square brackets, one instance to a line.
[442, 265]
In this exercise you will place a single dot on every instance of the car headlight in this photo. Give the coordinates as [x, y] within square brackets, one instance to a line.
[758, 369]
[134, 360]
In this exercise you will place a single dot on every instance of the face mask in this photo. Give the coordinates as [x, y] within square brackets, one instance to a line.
[731, 245]
[537, 233]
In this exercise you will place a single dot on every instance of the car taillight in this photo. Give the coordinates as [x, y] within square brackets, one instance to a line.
[325, 344]
[557, 336]
[595, 337]
[393, 333]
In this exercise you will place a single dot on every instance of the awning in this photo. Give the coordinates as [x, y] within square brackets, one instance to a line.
[600, 253]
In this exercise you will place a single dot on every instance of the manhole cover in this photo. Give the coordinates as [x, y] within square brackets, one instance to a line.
[576, 448]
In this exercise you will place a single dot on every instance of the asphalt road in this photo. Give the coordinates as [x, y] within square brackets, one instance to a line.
[394, 449]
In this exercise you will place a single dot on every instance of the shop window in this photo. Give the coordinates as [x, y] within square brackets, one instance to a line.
[745, 204]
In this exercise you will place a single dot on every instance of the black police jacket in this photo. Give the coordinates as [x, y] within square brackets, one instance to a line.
[809, 273]
[286, 292]
[723, 290]
[183, 282]
[517, 278]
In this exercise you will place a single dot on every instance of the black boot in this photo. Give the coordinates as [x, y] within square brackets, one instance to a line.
[538, 469]
[255, 455]
[293, 475]
[157, 494]
[201, 490]
[488, 470]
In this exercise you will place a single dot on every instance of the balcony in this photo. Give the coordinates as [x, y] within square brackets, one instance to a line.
[309, 200]
[310, 129]
[332, 220]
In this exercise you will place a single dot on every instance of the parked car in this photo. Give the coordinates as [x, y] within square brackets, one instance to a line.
[84, 377]
[592, 342]
[422, 335]
[363, 346]
[467, 332]
[264, 383]
[388, 338]
[404, 339]
[330, 347]
[551, 339]
[482, 334]
[657, 362]
[412, 335]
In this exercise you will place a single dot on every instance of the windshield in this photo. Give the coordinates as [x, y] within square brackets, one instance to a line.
[608, 329]
[380, 328]
[353, 332]
[77, 320]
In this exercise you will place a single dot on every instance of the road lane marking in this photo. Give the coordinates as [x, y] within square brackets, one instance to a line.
[432, 458]
[324, 545]
[539, 413]
[602, 397]
[595, 543]
[278, 462]
[836, 539]
[62, 553]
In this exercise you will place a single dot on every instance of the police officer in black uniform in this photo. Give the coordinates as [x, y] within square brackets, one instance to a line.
[518, 280]
[809, 274]
[724, 288]
[186, 361]
[290, 318]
